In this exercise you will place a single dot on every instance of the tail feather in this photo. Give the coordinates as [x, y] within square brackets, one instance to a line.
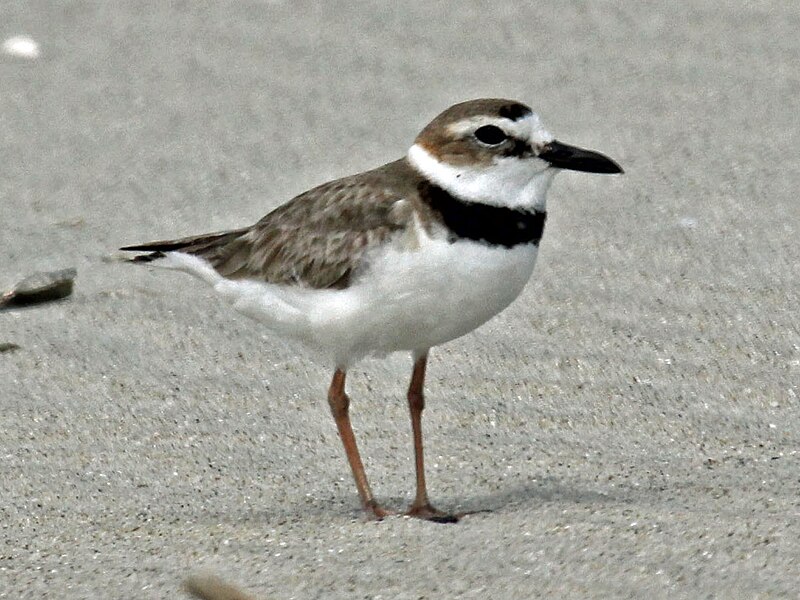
[145, 258]
[225, 251]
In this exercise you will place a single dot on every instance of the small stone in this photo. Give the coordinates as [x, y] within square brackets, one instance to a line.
[40, 287]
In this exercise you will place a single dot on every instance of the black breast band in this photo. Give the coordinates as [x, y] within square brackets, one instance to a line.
[494, 225]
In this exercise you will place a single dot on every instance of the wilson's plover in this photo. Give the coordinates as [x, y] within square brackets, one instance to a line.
[404, 257]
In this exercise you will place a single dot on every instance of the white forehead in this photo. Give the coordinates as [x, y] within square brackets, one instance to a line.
[527, 128]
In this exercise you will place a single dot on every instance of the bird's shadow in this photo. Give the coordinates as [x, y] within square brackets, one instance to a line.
[525, 497]
[529, 496]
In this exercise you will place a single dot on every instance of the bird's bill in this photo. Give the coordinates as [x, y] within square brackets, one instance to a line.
[564, 156]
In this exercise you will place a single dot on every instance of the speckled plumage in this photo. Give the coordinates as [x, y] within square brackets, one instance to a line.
[318, 238]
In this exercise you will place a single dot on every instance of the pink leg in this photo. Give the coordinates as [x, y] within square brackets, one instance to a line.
[340, 404]
[421, 507]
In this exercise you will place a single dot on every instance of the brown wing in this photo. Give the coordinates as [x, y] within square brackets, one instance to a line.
[317, 239]
[320, 237]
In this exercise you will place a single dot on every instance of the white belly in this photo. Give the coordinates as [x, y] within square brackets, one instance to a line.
[416, 300]
[406, 300]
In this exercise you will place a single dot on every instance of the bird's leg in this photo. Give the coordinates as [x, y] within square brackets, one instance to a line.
[340, 404]
[421, 508]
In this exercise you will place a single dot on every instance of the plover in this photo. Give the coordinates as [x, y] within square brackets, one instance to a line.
[413, 254]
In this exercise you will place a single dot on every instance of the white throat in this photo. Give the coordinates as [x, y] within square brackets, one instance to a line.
[509, 182]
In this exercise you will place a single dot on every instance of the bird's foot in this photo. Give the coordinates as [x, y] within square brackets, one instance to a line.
[376, 512]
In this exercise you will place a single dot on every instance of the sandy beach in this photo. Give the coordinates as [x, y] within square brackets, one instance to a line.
[629, 428]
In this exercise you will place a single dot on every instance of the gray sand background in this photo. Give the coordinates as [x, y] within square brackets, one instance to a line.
[630, 426]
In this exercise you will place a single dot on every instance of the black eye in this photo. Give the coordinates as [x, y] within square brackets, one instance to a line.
[490, 135]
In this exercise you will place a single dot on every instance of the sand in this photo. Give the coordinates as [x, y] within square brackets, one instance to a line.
[630, 427]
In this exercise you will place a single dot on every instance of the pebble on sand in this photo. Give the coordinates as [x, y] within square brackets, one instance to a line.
[40, 287]
[21, 46]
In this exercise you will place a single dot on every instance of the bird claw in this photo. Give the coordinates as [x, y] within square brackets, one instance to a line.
[376, 512]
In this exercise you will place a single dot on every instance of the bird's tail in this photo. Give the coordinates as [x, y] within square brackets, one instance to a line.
[221, 260]
[226, 251]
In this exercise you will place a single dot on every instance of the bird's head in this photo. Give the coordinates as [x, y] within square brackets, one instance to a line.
[497, 152]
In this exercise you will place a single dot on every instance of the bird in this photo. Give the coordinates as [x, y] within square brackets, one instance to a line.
[401, 258]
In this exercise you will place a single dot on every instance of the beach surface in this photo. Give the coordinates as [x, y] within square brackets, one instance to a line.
[629, 428]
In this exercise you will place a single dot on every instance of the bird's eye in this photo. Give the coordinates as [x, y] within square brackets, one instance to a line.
[490, 135]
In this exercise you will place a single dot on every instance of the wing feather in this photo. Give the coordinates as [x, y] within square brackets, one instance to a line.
[318, 239]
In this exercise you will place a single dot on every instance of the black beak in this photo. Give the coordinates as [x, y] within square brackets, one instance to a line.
[564, 156]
